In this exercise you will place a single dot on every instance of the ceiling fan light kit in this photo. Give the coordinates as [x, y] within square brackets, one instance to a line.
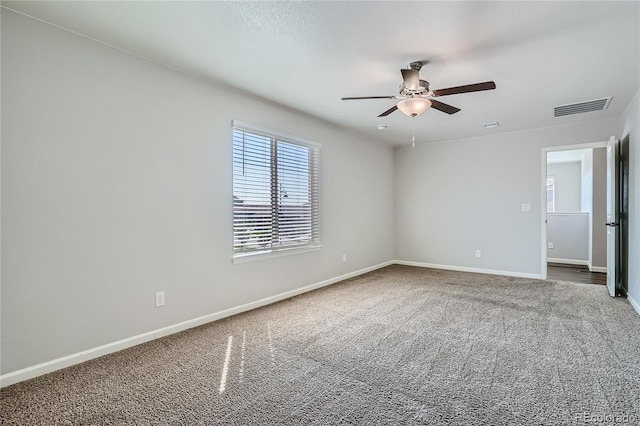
[414, 106]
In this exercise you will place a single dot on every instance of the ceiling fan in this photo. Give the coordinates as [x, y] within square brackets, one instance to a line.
[416, 97]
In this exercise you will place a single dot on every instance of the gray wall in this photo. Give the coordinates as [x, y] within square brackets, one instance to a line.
[569, 233]
[454, 197]
[568, 185]
[599, 211]
[116, 183]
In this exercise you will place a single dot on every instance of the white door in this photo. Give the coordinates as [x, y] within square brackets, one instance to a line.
[612, 215]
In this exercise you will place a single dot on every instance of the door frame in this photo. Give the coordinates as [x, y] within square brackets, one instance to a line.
[543, 194]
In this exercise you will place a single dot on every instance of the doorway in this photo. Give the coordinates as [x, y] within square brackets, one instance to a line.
[573, 233]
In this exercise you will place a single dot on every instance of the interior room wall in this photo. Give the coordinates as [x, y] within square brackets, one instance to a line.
[569, 234]
[586, 196]
[599, 211]
[630, 130]
[568, 185]
[116, 183]
[458, 196]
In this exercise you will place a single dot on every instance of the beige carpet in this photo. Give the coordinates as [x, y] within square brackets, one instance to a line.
[398, 346]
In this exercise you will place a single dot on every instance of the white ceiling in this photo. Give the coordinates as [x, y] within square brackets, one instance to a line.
[307, 55]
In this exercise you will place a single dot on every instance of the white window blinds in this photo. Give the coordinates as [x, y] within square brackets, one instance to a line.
[275, 191]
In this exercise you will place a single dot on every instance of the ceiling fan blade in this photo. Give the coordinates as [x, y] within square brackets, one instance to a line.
[444, 107]
[389, 111]
[487, 85]
[368, 97]
[411, 79]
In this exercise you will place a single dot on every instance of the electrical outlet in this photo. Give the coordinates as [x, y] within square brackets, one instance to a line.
[159, 299]
[551, 245]
[478, 253]
[344, 258]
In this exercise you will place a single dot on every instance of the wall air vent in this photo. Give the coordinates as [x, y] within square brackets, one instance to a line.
[580, 107]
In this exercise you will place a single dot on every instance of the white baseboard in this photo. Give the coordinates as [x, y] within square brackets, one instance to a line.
[468, 269]
[86, 355]
[568, 261]
[601, 269]
[633, 303]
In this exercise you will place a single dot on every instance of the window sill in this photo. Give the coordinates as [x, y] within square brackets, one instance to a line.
[250, 257]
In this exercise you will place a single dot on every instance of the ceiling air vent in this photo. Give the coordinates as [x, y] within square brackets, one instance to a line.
[580, 107]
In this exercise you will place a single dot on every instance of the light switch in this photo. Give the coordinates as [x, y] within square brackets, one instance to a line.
[525, 207]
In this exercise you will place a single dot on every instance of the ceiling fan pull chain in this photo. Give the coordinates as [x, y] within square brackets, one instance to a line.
[413, 132]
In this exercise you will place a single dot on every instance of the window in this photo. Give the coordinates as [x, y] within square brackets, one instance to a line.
[275, 192]
[551, 194]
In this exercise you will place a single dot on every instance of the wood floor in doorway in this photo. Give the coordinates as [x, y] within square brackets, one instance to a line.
[575, 273]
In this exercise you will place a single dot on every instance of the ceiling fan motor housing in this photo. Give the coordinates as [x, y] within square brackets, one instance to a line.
[422, 90]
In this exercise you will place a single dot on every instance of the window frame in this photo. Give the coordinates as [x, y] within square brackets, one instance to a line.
[275, 138]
